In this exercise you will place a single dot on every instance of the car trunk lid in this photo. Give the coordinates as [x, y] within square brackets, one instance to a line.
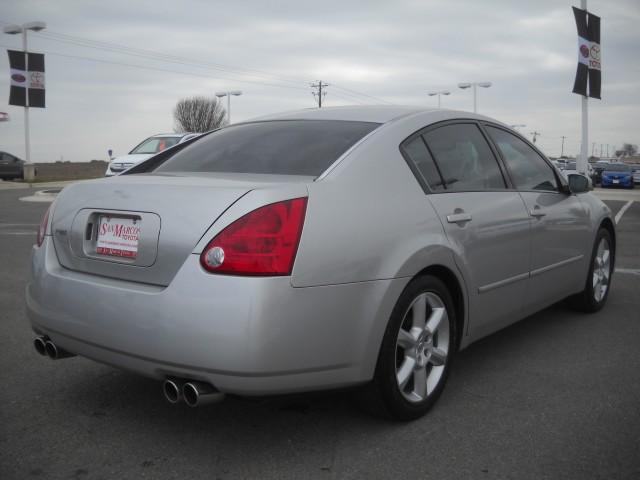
[140, 227]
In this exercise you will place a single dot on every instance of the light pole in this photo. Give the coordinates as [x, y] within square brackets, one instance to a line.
[237, 93]
[474, 85]
[23, 29]
[439, 93]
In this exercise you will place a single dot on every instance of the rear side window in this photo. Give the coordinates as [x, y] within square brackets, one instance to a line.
[464, 159]
[419, 156]
[285, 147]
[528, 170]
[156, 144]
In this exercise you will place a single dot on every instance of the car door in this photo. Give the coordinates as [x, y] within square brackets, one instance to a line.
[485, 221]
[560, 231]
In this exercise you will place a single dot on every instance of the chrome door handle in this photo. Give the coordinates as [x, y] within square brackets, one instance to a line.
[459, 218]
[536, 212]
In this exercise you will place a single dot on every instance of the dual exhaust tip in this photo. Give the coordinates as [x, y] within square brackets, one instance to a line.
[45, 347]
[193, 393]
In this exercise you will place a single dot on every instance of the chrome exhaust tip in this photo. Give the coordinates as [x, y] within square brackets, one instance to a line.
[56, 353]
[200, 393]
[39, 344]
[172, 391]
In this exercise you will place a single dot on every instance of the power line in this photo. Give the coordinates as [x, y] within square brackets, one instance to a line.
[158, 69]
[362, 94]
[349, 94]
[231, 72]
[162, 57]
[348, 98]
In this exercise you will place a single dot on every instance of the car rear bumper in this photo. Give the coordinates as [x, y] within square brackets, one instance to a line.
[244, 335]
[621, 183]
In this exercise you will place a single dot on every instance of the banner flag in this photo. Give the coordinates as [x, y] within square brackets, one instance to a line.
[27, 79]
[589, 68]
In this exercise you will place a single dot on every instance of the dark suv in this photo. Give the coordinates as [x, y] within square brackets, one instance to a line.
[11, 166]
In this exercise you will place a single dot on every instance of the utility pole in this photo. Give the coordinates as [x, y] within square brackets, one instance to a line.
[319, 94]
[607, 150]
[600, 150]
[562, 148]
[593, 149]
[535, 135]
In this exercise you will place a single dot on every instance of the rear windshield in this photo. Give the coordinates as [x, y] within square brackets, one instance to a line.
[283, 147]
[618, 167]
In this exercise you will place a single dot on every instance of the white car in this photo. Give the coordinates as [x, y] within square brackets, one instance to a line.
[571, 169]
[148, 148]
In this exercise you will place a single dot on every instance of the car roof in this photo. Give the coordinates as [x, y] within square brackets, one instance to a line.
[359, 113]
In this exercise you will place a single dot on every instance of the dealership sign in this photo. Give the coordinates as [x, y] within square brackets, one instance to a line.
[27, 79]
[588, 73]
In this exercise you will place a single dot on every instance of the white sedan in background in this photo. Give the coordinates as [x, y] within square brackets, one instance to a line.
[148, 148]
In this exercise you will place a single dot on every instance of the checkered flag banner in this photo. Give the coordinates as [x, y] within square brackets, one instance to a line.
[589, 54]
[27, 79]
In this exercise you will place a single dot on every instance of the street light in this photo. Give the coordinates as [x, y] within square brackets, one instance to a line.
[518, 125]
[236, 93]
[474, 85]
[23, 29]
[439, 93]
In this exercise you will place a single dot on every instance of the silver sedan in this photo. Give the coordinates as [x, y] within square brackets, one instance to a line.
[316, 249]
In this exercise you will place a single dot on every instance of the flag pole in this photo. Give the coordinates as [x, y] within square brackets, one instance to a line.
[27, 149]
[584, 155]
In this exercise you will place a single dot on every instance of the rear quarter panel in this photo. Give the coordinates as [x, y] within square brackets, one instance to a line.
[369, 219]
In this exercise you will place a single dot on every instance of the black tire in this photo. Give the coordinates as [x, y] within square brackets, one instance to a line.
[587, 300]
[384, 396]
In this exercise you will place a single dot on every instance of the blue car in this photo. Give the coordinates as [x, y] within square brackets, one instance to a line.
[617, 175]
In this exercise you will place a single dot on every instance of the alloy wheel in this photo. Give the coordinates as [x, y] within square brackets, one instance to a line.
[601, 270]
[422, 347]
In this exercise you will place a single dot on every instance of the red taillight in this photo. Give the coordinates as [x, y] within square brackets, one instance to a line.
[42, 230]
[263, 242]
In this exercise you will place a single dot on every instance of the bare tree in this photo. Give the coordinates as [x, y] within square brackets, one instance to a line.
[628, 150]
[199, 114]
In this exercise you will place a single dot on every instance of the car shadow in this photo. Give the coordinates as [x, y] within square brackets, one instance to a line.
[123, 396]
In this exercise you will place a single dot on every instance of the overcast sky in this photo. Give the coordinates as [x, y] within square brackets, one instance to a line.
[394, 51]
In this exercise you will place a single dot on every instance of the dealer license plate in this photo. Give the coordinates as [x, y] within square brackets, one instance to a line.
[118, 236]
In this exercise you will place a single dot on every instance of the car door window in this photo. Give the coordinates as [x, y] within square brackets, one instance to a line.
[528, 169]
[464, 159]
[417, 154]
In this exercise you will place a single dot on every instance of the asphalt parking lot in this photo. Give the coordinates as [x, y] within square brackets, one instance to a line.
[554, 396]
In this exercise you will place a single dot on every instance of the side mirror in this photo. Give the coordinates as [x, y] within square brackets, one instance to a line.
[578, 183]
